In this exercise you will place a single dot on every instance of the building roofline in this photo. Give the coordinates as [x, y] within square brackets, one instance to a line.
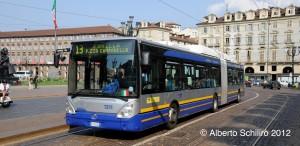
[61, 32]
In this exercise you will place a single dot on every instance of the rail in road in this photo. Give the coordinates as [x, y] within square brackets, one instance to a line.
[263, 110]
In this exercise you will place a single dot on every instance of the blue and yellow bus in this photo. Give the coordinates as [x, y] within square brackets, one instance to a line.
[131, 84]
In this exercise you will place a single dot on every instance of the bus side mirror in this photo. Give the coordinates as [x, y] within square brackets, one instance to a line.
[56, 59]
[145, 58]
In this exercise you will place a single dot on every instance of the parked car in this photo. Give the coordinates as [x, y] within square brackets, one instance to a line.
[23, 74]
[256, 82]
[284, 83]
[271, 85]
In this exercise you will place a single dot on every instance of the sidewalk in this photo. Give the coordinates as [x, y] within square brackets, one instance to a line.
[22, 92]
[27, 124]
[23, 125]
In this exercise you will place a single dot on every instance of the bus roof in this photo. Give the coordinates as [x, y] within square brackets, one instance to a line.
[141, 40]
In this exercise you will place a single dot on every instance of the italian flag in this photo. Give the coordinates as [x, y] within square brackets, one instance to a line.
[54, 14]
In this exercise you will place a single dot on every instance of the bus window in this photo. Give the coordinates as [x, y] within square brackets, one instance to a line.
[188, 77]
[172, 80]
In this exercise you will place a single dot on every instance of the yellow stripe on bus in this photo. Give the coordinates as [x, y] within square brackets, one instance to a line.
[155, 117]
[231, 92]
[152, 108]
[195, 99]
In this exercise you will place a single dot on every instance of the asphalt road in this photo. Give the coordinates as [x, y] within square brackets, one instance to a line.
[264, 117]
[34, 106]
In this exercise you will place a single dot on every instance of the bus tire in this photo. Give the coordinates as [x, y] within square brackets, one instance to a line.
[215, 104]
[238, 100]
[173, 116]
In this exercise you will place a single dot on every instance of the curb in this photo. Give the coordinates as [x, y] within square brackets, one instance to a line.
[19, 138]
[34, 97]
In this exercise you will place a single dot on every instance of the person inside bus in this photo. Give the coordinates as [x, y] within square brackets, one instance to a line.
[122, 79]
[169, 82]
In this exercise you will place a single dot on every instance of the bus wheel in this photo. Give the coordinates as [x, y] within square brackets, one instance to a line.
[215, 104]
[238, 98]
[173, 116]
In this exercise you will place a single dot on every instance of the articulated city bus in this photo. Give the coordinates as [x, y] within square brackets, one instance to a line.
[130, 84]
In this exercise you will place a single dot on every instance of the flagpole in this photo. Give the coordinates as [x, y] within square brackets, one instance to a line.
[55, 29]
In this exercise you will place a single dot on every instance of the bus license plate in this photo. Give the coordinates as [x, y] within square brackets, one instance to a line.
[95, 124]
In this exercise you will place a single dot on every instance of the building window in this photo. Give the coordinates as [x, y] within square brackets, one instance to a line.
[228, 28]
[238, 28]
[228, 17]
[204, 42]
[227, 41]
[205, 29]
[262, 39]
[249, 55]
[274, 68]
[250, 27]
[237, 55]
[249, 40]
[238, 41]
[262, 68]
[262, 55]
[289, 37]
[217, 42]
[275, 24]
[275, 38]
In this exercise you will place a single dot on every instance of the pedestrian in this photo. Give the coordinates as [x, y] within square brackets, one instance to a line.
[29, 82]
[35, 80]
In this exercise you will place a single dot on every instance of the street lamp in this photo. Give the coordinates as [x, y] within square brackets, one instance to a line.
[293, 52]
[130, 29]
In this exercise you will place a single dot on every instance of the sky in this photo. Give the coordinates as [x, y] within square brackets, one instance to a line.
[36, 14]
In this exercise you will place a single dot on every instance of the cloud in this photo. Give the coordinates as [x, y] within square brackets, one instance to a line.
[244, 5]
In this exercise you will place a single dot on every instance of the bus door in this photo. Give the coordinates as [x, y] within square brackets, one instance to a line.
[224, 82]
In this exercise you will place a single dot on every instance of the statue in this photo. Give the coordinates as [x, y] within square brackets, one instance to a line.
[6, 69]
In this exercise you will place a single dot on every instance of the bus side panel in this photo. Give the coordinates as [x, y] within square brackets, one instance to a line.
[195, 107]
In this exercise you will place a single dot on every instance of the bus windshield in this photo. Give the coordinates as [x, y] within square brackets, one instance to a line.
[103, 68]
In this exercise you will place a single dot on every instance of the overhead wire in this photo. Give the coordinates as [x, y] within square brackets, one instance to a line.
[178, 10]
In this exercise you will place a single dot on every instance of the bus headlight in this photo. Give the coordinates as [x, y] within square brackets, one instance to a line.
[69, 106]
[129, 110]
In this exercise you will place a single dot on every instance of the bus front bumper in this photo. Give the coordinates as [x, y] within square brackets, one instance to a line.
[104, 121]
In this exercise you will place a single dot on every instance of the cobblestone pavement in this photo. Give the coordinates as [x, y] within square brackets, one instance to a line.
[275, 111]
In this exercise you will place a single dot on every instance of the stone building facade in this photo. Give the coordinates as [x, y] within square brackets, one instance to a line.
[33, 50]
[168, 32]
[258, 39]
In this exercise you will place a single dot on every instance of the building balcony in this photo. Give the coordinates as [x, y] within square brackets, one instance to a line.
[289, 42]
[262, 43]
